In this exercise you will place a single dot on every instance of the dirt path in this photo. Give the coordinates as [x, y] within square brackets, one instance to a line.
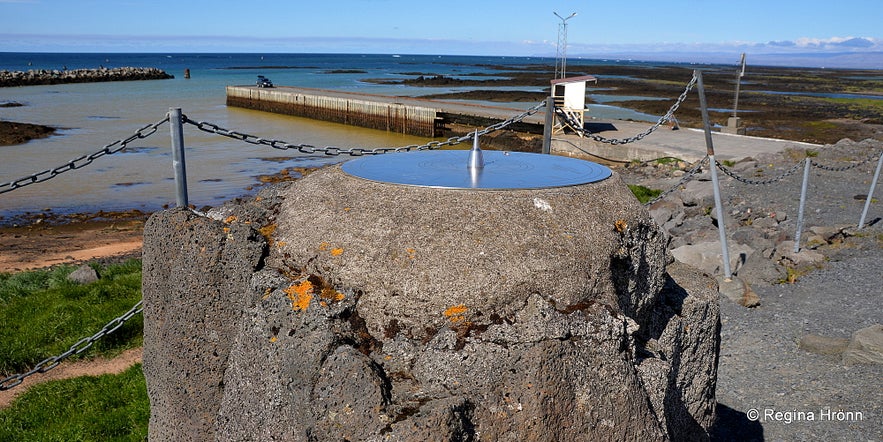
[42, 245]
[68, 370]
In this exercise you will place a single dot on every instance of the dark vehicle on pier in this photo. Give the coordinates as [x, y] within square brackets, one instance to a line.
[264, 81]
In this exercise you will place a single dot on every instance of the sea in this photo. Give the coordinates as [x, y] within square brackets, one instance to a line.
[90, 116]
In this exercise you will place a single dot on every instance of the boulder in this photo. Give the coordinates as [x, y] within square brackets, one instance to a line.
[356, 310]
[865, 346]
[698, 193]
[804, 257]
[708, 256]
[84, 274]
[822, 345]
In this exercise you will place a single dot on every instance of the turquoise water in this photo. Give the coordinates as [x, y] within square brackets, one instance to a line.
[92, 115]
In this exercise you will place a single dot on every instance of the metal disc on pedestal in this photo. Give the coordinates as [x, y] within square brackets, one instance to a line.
[449, 169]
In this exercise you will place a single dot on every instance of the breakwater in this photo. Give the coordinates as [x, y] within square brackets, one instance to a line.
[373, 113]
[407, 115]
[45, 76]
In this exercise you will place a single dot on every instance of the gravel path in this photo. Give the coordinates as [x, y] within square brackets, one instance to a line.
[761, 368]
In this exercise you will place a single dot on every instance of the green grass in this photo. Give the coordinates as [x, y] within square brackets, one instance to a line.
[867, 104]
[43, 314]
[89, 408]
[667, 160]
[644, 194]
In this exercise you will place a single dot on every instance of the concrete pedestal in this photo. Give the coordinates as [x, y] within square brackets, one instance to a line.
[734, 126]
[389, 312]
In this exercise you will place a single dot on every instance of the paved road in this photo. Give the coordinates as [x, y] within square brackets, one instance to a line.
[686, 144]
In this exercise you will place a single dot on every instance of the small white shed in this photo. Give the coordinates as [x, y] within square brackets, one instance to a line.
[569, 95]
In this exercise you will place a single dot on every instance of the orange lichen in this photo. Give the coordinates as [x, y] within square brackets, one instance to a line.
[412, 253]
[273, 339]
[267, 232]
[330, 294]
[324, 246]
[226, 230]
[456, 313]
[336, 251]
[620, 225]
[230, 219]
[300, 294]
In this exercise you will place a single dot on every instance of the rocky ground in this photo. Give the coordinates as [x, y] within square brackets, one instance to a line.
[44, 76]
[12, 133]
[785, 354]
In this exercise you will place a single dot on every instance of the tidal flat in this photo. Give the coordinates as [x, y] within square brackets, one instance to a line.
[811, 105]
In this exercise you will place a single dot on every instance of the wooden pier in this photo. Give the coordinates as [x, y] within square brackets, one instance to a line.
[408, 115]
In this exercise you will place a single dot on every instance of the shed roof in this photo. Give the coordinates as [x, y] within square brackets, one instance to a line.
[579, 79]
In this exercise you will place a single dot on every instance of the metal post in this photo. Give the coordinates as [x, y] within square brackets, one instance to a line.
[547, 127]
[176, 127]
[728, 275]
[861, 222]
[739, 75]
[802, 205]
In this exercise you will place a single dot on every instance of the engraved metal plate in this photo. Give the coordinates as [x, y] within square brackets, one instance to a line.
[449, 169]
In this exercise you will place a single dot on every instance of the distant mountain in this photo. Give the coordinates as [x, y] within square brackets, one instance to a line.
[842, 60]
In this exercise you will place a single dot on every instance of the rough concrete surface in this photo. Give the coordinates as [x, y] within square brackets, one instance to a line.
[382, 312]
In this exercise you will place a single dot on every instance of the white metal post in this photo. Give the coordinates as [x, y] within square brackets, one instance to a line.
[861, 222]
[725, 254]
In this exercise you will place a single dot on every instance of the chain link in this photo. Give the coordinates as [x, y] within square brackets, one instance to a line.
[83, 160]
[687, 177]
[79, 347]
[614, 141]
[744, 180]
[867, 160]
[357, 151]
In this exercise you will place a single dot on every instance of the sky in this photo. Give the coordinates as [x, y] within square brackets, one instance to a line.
[703, 30]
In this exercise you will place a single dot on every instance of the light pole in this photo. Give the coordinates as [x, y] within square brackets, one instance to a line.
[561, 55]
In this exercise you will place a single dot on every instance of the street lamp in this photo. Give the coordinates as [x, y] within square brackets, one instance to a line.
[561, 55]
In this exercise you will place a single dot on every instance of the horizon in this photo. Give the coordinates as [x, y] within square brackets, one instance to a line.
[809, 33]
[797, 61]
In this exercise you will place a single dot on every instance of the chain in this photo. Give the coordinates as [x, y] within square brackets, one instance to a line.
[356, 151]
[613, 141]
[687, 177]
[83, 160]
[736, 177]
[79, 347]
[867, 160]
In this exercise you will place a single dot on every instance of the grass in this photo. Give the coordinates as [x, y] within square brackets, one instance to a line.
[89, 408]
[667, 160]
[43, 313]
[644, 194]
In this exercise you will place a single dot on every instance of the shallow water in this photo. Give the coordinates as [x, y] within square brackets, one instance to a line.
[92, 115]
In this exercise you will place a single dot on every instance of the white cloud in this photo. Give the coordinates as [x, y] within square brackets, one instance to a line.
[839, 43]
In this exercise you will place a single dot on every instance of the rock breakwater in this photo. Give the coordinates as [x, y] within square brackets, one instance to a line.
[35, 77]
